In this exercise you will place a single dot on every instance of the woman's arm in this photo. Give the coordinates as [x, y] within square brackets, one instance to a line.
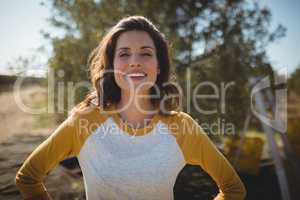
[198, 149]
[217, 166]
[59, 145]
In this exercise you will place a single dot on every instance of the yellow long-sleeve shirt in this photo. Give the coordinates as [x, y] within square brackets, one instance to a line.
[120, 162]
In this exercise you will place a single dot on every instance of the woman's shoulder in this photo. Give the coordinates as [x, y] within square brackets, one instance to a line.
[183, 126]
[91, 112]
[180, 122]
[178, 116]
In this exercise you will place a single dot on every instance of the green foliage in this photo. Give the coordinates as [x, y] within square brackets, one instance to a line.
[294, 81]
[219, 40]
[251, 150]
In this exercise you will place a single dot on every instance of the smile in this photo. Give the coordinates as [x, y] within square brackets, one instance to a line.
[136, 75]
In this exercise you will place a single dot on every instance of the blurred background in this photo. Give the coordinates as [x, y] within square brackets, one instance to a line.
[247, 52]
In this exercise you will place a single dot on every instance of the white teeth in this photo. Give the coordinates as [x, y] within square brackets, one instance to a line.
[136, 75]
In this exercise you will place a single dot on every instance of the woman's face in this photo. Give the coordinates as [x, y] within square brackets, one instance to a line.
[135, 62]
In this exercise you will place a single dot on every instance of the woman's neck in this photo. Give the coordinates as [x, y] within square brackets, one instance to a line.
[135, 110]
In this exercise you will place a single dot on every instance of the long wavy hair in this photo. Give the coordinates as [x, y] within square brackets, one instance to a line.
[100, 61]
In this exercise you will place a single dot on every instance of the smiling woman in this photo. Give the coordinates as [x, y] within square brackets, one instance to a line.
[129, 136]
[136, 61]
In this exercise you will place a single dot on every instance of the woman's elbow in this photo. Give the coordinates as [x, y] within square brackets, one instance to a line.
[29, 188]
[243, 191]
[18, 180]
[238, 193]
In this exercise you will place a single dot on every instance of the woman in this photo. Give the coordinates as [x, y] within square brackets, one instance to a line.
[130, 141]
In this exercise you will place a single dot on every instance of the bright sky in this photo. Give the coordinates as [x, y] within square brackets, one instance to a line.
[286, 51]
[22, 21]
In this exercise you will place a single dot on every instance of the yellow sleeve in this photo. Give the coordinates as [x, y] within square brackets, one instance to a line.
[198, 149]
[62, 143]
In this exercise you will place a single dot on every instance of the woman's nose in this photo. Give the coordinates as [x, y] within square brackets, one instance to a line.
[135, 61]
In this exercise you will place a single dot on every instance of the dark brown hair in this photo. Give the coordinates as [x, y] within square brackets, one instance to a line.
[100, 61]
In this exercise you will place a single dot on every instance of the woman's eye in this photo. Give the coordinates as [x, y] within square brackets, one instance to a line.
[146, 54]
[124, 54]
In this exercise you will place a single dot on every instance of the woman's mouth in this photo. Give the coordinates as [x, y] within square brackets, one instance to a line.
[136, 75]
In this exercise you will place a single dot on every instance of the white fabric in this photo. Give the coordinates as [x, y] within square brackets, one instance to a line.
[118, 166]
